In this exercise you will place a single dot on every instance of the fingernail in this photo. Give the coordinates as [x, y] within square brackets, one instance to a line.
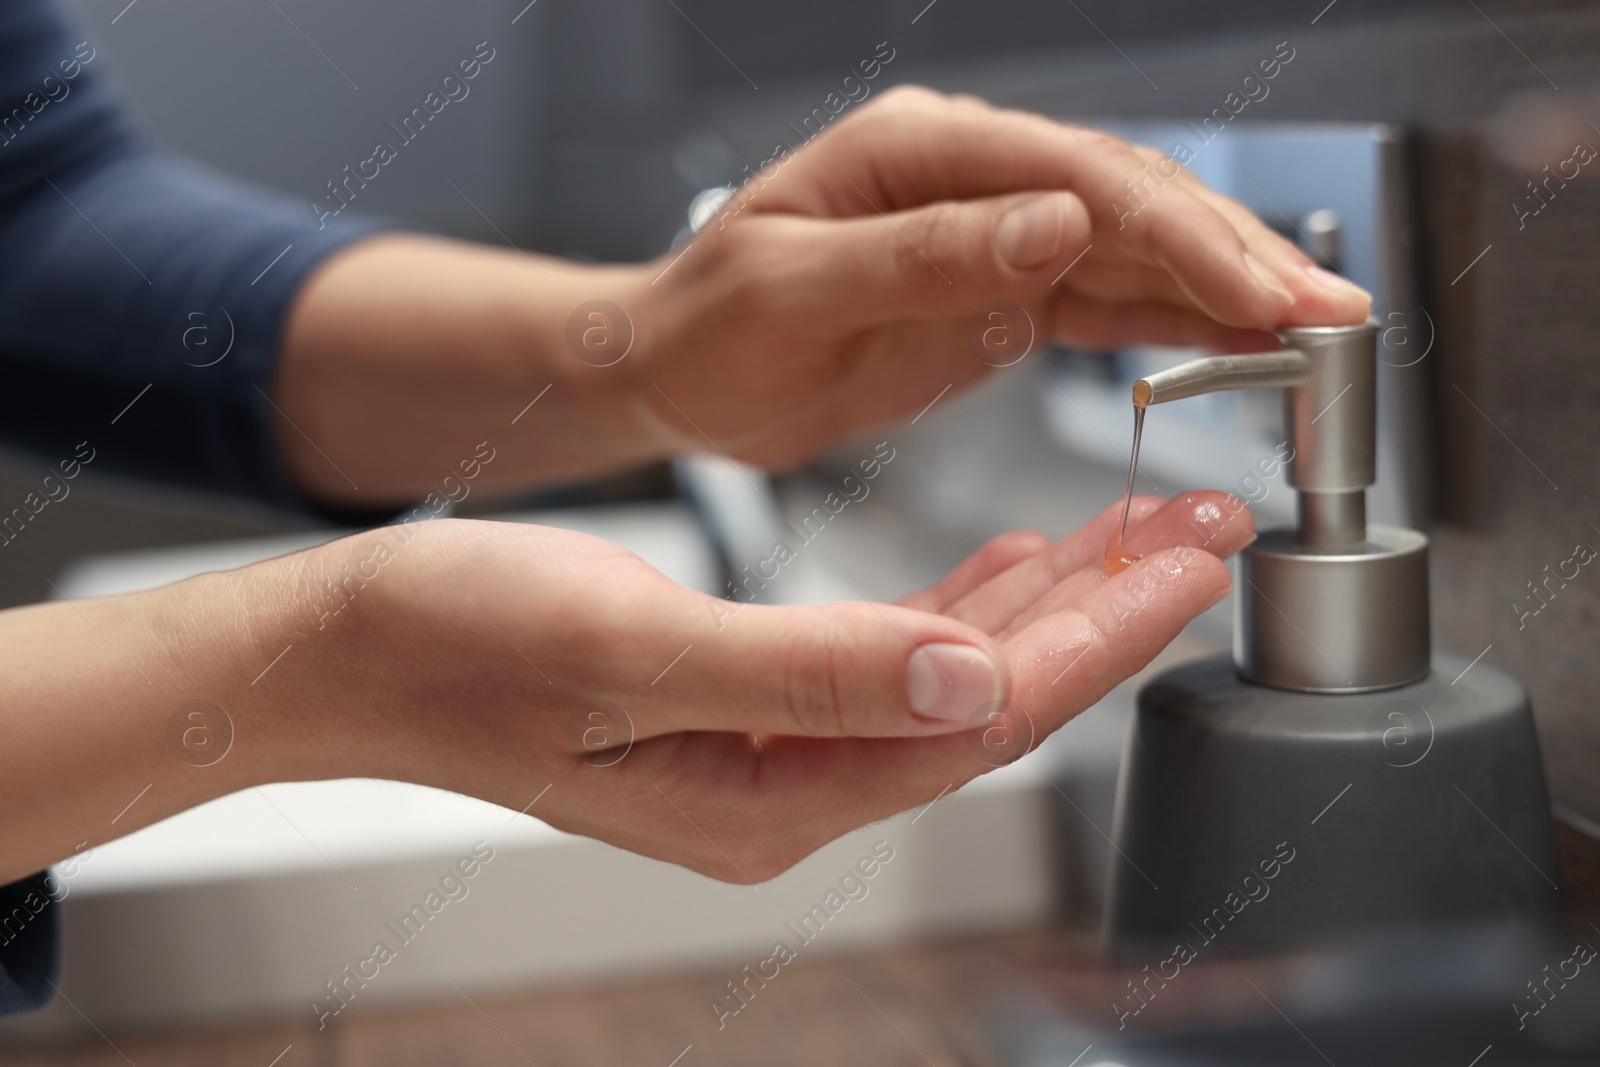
[1030, 234]
[950, 683]
[1335, 284]
[1267, 279]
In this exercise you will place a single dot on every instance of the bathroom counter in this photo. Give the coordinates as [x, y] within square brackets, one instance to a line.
[910, 1004]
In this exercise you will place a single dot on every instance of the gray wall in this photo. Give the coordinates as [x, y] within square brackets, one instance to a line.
[286, 95]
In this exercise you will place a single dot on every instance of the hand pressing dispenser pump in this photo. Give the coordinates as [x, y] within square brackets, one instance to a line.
[1335, 774]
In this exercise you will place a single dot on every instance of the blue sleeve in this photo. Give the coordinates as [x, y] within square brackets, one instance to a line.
[30, 940]
[142, 300]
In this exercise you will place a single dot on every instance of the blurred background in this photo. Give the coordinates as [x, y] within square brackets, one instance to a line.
[1396, 144]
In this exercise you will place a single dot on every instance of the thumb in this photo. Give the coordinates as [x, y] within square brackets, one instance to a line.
[941, 259]
[832, 670]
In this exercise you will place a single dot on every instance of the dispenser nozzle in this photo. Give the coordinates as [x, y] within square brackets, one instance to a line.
[1209, 374]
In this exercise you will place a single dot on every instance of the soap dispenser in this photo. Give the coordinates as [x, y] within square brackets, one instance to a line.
[1333, 774]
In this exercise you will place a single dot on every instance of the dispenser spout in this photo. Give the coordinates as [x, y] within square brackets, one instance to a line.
[1209, 374]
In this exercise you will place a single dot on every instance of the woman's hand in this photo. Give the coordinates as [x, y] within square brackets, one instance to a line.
[837, 291]
[501, 660]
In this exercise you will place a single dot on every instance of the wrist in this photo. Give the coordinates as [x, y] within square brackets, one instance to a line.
[235, 641]
[357, 675]
[315, 683]
[595, 331]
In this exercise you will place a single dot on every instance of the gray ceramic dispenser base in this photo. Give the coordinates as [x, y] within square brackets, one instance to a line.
[1423, 804]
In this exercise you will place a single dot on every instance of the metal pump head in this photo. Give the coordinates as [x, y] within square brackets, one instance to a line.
[1329, 374]
[1331, 606]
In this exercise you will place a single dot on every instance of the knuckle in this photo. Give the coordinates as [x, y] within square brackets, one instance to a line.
[1186, 207]
[1103, 146]
[1015, 543]
[726, 244]
[970, 102]
[926, 232]
[739, 268]
[909, 98]
[813, 698]
[1147, 153]
[1158, 218]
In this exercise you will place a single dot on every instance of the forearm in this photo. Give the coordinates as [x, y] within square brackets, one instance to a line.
[96, 716]
[403, 352]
